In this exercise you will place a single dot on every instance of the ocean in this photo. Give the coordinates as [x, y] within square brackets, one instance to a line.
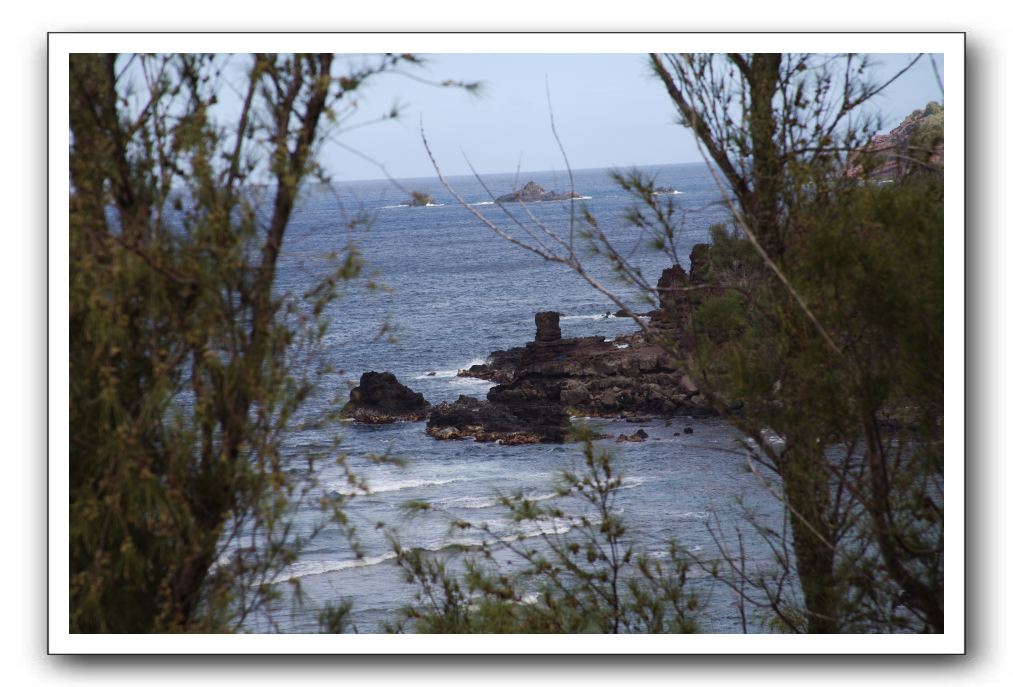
[446, 293]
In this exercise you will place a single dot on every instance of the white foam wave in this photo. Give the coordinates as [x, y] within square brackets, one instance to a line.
[632, 482]
[439, 374]
[483, 202]
[473, 502]
[527, 530]
[348, 490]
[479, 502]
[472, 383]
[541, 497]
[690, 515]
[667, 193]
[510, 530]
[665, 553]
[525, 533]
[447, 374]
[304, 568]
[600, 316]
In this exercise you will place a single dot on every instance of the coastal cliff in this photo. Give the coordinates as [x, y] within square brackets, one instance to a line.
[915, 143]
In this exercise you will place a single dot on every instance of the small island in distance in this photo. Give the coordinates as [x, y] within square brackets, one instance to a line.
[418, 200]
[533, 193]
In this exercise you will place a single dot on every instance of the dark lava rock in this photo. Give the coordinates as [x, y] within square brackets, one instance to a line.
[490, 421]
[547, 326]
[636, 375]
[533, 193]
[688, 430]
[591, 376]
[500, 368]
[380, 399]
[623, 312]
[488, 372]
[638, 436]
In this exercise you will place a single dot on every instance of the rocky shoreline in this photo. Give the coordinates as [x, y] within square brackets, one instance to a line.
[542, 384]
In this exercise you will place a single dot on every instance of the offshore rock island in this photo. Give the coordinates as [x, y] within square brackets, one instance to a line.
[544, 383]
[533, 193]
[628, 376]
[418, 200]
[632, 376]
[381, 399]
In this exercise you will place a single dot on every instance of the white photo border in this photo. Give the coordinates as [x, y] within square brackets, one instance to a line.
[61, 45]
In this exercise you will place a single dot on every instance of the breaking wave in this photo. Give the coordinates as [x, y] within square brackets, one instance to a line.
[479, 502]
[304, 568]
[600, 316]
[446, 374]
[346, 489]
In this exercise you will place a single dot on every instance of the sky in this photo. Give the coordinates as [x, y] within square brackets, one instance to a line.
[609, 111]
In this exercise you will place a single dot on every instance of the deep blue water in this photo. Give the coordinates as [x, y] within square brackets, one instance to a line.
[452, 292]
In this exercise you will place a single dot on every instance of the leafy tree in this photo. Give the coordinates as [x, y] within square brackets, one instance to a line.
[813, 323]
[838, 333]
[187, 366]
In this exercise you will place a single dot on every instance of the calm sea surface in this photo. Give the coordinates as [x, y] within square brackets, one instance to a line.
[452, 292]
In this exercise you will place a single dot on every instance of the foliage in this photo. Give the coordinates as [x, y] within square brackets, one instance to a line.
[928, 133]
[814, 325]
[853, 438]
[420, 199]
[187, 367]
[580, 572]
[834, 349]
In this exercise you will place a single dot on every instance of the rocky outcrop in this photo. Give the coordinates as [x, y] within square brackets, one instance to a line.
[547, 327]
[418, 200]
[623, 312]
[592, 376]
[526, 423]
[500, 369]
[913, 145]
[533, 193]
[680, 293]
[630, 376]
[380, 399]
[541, 384]
[634, 375]
[637, 437]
